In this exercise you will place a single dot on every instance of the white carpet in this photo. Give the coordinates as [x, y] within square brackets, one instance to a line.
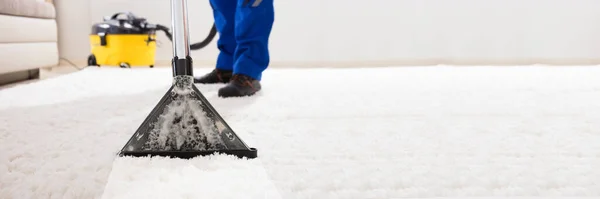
[321, 133]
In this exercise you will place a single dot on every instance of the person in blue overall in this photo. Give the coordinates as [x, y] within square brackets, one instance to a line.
[244, 27]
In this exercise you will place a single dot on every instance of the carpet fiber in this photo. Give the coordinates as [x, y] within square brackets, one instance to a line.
[320, 133]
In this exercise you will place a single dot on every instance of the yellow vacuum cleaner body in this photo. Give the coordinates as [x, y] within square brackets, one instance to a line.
[122, 42]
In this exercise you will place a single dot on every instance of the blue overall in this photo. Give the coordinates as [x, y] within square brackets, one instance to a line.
[244, 27]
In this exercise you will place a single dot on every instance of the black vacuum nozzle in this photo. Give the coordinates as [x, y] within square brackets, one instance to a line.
[185, 125]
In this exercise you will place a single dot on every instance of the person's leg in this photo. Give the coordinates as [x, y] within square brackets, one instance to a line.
[224, 18]
[253, 23]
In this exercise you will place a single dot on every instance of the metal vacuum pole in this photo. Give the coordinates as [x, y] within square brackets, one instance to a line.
[182, 62]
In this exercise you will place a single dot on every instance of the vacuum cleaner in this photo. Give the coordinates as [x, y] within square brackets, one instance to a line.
[184, 124]
[126, 40]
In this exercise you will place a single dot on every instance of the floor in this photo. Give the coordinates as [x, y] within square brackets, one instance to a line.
[321, 133]
[46, 73]
[58, 70]
[52, 72]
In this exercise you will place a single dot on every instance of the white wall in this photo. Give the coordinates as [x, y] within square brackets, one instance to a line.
[385, 31]
[73, 29]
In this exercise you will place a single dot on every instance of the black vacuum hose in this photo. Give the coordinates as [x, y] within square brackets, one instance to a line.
[166, 30]
[196, 46]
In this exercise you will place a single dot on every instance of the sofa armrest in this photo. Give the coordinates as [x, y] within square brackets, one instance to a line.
[28, 8]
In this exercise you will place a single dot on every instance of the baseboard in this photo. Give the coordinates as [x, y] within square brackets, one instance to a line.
[410, 62]
[388, 63]
[19, 76]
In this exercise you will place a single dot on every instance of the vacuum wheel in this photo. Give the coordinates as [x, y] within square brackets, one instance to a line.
[124, 65]
[92, 60]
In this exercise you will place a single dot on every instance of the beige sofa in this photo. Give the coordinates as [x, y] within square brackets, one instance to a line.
[28, 39]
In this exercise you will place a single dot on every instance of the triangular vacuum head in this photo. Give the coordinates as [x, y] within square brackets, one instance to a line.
[185, 125]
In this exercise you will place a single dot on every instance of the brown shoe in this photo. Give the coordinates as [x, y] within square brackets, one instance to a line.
[215, 76]
[239, 86]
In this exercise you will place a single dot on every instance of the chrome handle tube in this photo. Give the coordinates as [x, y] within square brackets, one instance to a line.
[182, 62]
[179, 25]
